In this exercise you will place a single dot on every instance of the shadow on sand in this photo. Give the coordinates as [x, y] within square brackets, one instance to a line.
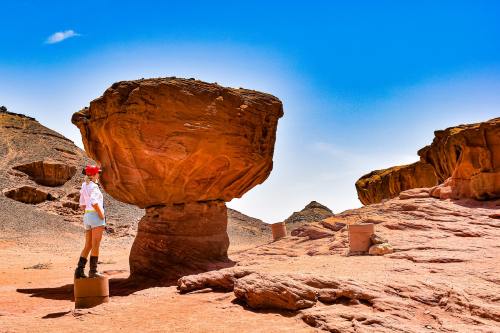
[124, 286]
[117, 287]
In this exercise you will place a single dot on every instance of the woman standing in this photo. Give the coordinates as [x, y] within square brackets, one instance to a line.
[91, 199]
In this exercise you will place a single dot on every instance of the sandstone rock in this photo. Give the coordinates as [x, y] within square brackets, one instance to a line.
[465, 156]
[217, 280]
[380, 249]
[279, 292]
[190, 137]
[312, 231]
[333, 224]
[440, 247]
[28, 195]
[470, 156]
[415, 193]
[48, 173]
[179, 238]
[377, 239]
[296, 291]
[180, 148]
[388, 183]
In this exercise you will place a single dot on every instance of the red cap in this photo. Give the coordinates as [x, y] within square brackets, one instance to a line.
[91, 170]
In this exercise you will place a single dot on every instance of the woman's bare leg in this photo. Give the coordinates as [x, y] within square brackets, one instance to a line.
[88, 244]
[96, 240]
[82, 261]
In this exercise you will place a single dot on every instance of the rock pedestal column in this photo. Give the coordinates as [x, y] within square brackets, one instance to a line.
[180, 238]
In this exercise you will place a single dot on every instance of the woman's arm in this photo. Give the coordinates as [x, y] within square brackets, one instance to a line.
[99, 211]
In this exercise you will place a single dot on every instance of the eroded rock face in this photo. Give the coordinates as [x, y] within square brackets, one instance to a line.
[200, 141]
[470, 156]
[442, 276]
[180, 238]
[168, 141]
[467, 157]
[388, 183]
[48, 173]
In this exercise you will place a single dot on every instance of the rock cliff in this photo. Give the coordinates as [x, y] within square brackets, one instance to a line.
[464, 160]
[467, 159]
[388, 183]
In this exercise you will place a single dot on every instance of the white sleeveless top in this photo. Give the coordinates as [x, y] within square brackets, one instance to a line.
[90, 194]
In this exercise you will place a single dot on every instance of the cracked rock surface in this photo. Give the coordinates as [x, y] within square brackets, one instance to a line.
[442, 276]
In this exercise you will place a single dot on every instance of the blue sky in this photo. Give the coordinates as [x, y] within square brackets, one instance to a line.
[364, 83]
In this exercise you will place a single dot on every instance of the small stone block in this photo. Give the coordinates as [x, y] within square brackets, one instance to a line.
[279, 230]
[359, 237]
[90, 292]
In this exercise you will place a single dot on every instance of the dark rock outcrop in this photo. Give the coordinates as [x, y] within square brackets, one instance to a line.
[28, 195]
[312, 212]
[48, 173]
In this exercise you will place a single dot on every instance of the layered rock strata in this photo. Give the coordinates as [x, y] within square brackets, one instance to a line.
[468, 158]
[388, 183]
[464, 160]
[181, 149]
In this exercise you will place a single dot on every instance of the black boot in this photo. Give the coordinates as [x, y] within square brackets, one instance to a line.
[79, 271]
[93, 268]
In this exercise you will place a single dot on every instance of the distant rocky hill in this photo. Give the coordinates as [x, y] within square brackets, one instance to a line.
[464, 159]
[312, 212]
[243, 229]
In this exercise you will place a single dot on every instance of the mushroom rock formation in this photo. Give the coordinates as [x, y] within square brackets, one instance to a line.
[181, 149]
[467, 159]
[388, 183]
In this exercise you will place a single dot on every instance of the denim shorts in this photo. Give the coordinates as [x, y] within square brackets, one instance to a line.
[92, 220]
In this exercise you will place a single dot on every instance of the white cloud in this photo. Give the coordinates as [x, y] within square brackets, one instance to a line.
[60, 36]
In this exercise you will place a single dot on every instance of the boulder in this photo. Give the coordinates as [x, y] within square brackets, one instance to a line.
[377, 239]
[312, 231]
[380, 249]
[181, 149]
[280, 292]
[333, 223]
[221, 280]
